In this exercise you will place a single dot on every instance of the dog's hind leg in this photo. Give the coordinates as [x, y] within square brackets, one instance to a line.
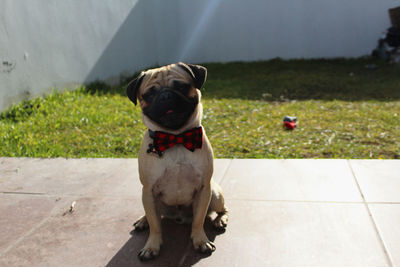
[141, 224]
[217, 205]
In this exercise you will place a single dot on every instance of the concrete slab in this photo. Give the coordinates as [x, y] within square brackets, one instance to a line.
[308, 180]
[379, 180]
[94, 177]
[387, 218]
[57, 176]
[282, 213]
[89, 236]
[33, 189]
[262, 233]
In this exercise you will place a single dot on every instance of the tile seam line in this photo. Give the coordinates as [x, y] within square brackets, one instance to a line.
[185, 255]
[296, 201]
[31, 231]
[385, 250]
[51, 195]
[225, 172]
[311, 201]
[48, 195]
[23, 193]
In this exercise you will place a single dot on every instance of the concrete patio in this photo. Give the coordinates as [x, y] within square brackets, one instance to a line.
[282, 213]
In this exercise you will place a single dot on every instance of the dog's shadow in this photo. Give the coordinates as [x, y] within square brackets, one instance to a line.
[176, 250]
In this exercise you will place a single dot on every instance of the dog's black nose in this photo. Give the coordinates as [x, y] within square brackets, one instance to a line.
[165, 97]
[179, 220]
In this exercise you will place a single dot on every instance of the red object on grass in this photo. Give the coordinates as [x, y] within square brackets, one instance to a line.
[289, 124]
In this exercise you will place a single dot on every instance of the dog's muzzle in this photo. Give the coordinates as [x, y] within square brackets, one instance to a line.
[170, 108]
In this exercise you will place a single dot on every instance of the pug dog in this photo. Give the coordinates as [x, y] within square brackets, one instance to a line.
[176, 158]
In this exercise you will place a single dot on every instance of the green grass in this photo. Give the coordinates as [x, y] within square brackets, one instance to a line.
[344, 109]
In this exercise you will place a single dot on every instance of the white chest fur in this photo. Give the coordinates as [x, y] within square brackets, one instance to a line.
[178, 174]
[178, 185]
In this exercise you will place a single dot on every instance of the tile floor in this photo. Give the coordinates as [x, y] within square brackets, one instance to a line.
[282, 213]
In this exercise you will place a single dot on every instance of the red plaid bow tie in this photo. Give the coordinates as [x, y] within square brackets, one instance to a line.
[190, 139]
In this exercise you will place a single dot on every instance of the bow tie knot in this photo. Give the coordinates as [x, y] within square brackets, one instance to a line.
[190, 139]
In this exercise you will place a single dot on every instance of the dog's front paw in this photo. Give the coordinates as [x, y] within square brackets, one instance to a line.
[147, 254]
[202, 244]
[141, 224]
[151, 249]
[206, 247]
[221, 221]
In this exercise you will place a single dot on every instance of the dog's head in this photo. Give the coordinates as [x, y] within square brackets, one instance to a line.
[169, 96]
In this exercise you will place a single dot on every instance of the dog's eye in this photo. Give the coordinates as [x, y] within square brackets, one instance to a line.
[182, 87]
[149, 95]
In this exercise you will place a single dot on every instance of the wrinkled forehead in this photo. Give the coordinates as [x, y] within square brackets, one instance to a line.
[164, 77]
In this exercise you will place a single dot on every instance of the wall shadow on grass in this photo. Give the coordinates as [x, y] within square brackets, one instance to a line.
[275, 80]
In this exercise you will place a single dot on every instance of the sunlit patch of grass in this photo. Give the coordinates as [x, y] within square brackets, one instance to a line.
[72, 124]
[326, 129]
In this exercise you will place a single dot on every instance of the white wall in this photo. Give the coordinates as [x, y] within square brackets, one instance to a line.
[61, 43]
[256, 29]
[56, 43]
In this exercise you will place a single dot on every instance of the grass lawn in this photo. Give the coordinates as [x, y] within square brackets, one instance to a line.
[345, 110]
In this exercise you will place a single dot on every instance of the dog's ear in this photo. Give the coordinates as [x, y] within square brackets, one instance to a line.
[197, 72]
[133, 86]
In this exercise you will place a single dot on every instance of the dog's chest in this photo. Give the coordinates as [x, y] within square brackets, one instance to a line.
[178, 184]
